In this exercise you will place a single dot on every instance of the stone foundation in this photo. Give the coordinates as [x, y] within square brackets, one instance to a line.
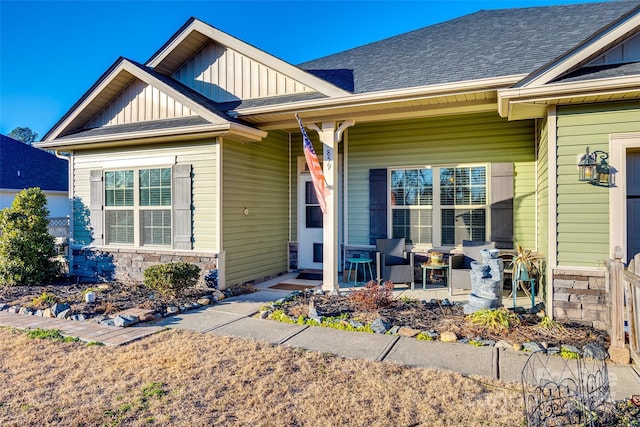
[128, 265]
[581, 296]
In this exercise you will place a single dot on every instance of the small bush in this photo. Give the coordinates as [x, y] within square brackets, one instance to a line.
[495, 320]
[171, 279]
[27, 250]
[373, 296]
[44, 300]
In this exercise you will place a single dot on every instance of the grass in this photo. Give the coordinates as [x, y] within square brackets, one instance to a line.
[187, 378]
[495, 320]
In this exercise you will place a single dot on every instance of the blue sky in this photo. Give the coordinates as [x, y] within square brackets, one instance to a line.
[51, 52]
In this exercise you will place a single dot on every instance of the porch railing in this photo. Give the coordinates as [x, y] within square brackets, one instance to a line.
[624, 286]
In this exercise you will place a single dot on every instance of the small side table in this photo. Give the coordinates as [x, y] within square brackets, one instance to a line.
[366, 262]
[442, 267]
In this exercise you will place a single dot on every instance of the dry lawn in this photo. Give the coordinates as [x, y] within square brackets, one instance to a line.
[188, 379]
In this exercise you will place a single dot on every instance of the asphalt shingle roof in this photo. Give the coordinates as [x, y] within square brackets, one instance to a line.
[137, 127]
[23, 166]
[485, 44]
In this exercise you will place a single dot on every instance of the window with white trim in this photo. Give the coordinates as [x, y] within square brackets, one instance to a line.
[436, 206]
[138, 207]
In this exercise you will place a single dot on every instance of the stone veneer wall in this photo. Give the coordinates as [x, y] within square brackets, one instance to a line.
[581, 296]
[93, 264]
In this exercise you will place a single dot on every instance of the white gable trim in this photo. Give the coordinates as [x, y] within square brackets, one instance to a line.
[582, 52]
[128, 67]
[246, 49]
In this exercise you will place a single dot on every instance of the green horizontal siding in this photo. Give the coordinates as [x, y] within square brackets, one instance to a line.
[583, 209]
[543, 188]
[255, 176]
[201, 155]
[473, 138]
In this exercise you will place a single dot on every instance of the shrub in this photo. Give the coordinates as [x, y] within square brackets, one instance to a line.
[27, 250]
[373, 296]
[495, 320]
[172, 278]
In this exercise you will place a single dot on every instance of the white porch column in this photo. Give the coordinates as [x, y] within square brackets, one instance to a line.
[330, 137]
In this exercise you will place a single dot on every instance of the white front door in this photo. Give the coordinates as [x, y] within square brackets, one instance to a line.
[309, 225]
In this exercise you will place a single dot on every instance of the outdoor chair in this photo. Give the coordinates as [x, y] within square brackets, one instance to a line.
[393, 262]
[460, 263]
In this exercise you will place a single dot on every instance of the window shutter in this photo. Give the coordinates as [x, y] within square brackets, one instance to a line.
[96, 212]
[182, 229]
[502, 205]
[377, 205]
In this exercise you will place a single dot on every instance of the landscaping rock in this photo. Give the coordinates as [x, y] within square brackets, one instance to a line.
[532, 346]
[264, 314]
[356, 324]
[553, 350]
[313, 315]
[145, 317]
[394, 330]
[124, 321]
[445, 302]
[380, 326]
[595, 351]
[78, 317]
[448, 336]
[219, 295]
[517, 346]
[25, 310]
[172, 309]
[14, 309]
[4, 307]
[99, 318]
[48, 313]
[408, 332]
[38, 313]
[63, 314]
[58, 308]
[107, 322]
[204, 301]
[571, 348]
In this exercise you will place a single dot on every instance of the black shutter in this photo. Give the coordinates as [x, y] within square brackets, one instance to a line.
[182, 224]
[502, 205]
[96, 213]
[377, 205]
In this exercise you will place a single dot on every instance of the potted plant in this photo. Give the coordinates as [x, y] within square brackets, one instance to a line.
[526, 263]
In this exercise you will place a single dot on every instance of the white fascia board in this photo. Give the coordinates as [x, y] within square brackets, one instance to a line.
[556, 91]
[250, 51]
[209, 130]
[581, 53]
[132, 69]
[98, 89]
[387, 96]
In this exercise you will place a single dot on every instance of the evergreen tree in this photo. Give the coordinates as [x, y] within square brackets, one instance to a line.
[27, 250]
[25, 135]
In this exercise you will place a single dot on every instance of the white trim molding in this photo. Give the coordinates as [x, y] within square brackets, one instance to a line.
[619, 143]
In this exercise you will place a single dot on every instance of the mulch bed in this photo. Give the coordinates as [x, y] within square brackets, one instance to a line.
[442, 317]
[111, 297]
[422, 315]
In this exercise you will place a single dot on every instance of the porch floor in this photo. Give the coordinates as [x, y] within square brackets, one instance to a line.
[436, 291]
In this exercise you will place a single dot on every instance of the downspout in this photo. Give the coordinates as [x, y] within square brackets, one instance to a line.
[290, 207]
[70, 183]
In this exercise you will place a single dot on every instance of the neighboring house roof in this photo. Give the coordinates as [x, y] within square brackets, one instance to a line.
[601, 72]
[24, 166]
[489, 43]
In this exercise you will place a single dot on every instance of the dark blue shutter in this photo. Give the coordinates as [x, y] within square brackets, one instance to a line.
[377, 205]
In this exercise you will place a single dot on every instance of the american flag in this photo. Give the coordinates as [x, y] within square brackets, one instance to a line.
[315, 168]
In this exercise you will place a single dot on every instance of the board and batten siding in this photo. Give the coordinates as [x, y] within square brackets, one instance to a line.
[543, 188]
[451, 140]
[222, 74]
[201, 155]
[255, 178]
[140, 102]
[583, 209]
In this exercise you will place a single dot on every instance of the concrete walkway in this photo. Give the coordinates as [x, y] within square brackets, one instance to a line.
[233, 317]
